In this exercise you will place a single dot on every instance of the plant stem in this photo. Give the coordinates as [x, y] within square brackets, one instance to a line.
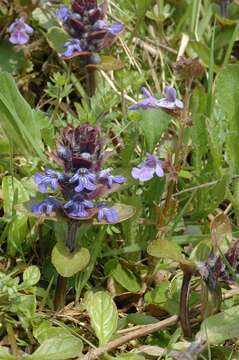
[184, 304]
[12, 338]
[61, 285]
[179, 155]
[60, 293]
[91, 81]
[71, 235]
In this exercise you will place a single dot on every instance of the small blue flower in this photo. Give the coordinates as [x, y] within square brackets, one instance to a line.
[19, 31]
[107, 213]
[100, 25]
[116, 28]
[46, 206]
[78, 208]
[85, 180]
[50, 178]
[146, 170]
[72, 46]
[105, 176]
[170, 101]
[149, 101]
[63, 13]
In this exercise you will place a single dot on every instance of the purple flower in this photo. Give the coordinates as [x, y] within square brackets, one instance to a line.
[19, 31]
[146, 170]
[148, 102]
[100, 25]
[115, 28]
[107, 213]
[78, 208]
[46, 206]
[63, 13]
[72, 46]
[169, 102]
[105, 176]
[85, 180]
[49, 178]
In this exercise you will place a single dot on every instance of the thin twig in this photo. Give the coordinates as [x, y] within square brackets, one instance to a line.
[145, 330]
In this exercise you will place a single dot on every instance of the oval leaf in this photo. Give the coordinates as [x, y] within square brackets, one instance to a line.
[69, 263]
[126, 278]
[220, 327]
[31, 276]
[166, 250]
[57, 37]
[103, 315]
[58, 348]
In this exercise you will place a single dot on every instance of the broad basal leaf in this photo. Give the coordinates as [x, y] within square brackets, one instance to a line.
[58, 348]
[103, 315]
[221, 327]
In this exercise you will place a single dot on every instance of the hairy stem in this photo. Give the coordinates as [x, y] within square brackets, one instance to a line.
[71, 235]
[60, 293]
[91, 81]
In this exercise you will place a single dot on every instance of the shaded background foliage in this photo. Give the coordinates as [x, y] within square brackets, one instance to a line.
[40, 94]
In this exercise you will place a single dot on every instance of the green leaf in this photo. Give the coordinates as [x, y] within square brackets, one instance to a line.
[220, 327]
[153, 124]
[69, 263]
[44, 18]
[58, 348]
[31, 276]
[103, 315]
[159, 294]
[126, 278]
[202, 51]
[226, 95]
[46, 330]
[11, 60]
[166, 249]
[57, 37]
[25, 308]
[17, 120]
[10, 186]
[17, 234]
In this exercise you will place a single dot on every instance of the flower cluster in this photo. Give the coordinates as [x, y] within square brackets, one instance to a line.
[89, 31]
[80, 153]
[19, 32]
[169, 102]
